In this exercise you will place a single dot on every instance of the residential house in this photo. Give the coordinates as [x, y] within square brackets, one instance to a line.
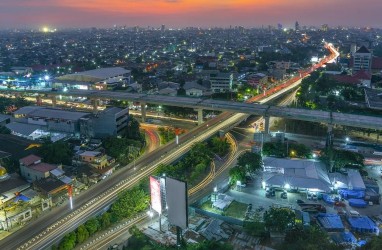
[32, 168]
[194, 89]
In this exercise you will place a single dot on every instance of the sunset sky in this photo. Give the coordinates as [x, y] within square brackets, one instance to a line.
[183, 13]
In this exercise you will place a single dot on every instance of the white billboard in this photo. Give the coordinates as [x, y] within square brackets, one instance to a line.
[177, 207]
[156, 203]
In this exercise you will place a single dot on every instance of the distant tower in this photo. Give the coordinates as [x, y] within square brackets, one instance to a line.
[297, 26]
[279, 26]
[163, 28]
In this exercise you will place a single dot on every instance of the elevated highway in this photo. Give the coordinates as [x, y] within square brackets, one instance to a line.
[361, 121]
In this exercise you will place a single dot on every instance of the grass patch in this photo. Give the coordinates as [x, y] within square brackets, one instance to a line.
[235, 209]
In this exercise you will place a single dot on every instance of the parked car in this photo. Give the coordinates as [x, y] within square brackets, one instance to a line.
[339, 204]
[354, 213]
[300, 201]
[270, 193]
[341, 211]
[284, 195]
[311, 196]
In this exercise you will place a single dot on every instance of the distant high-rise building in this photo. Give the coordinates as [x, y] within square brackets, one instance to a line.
[279, 26]
[353, 49]
[324, 27]
[241, 29]
[163, 28]
[297, 26]
[362, 59]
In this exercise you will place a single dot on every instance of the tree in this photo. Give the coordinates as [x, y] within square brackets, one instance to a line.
[166, 134]
[4, 130]
[137, 240]
[236, 174]
[68, 242]
[279, 219]
[11, 164]
[220, 146]
[181, 91]
[342, 158]
[374, 244]
[122, 149]
[130, 203]
[8, 104]
[208, 245]
[92, 225]
[255, 227]
[252, 162]
[273, 149]
[299, 238]
[133, 129]
[56, 153]
[300, 150]
[82, 234]
[105, 220]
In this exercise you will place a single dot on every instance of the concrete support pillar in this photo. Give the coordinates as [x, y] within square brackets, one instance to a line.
[38, 100]
[54, 100]
[143, 111]
[266, 124]
[329, 136]
[200, 116]
[95, 105]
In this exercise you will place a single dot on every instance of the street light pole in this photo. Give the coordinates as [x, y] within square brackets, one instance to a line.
[287, 148]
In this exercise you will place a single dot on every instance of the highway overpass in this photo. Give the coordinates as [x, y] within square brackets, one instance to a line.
[199, 104]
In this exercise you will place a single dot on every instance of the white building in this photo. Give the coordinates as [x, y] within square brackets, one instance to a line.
[101, 79]
[362, 59]
[221, 82]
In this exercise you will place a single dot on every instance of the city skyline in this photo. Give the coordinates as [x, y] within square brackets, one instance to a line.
[186, 13]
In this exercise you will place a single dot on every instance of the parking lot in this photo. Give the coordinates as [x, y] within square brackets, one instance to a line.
[254, 194]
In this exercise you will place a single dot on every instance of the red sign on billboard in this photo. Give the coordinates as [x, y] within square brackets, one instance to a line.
[156, 203]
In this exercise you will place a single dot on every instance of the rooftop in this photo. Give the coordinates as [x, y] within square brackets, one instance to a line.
[90, 153]
[49, 184]
[43, 167]
[23, 128]
[95, 75]
[15, 145]
[4, 117]
[193, 85]
[297, 173]
[15, 182]
[30, 159]
[51, 113]
[363, 50]
[373, 98]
